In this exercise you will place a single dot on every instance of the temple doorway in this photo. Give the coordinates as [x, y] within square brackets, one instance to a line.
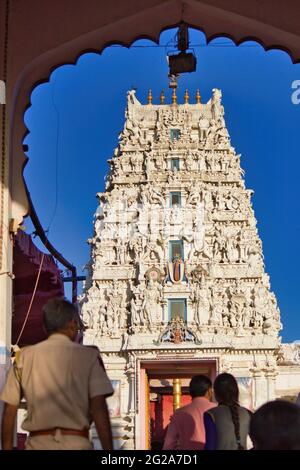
[166, 389]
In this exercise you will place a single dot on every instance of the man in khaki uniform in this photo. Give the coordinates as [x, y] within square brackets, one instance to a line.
[64, 384]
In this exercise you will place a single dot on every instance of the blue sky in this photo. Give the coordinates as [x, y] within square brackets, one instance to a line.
[75, 119]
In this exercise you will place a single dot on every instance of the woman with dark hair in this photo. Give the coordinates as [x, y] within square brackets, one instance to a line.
[227, 425]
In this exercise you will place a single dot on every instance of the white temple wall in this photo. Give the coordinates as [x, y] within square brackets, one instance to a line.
[288, 381]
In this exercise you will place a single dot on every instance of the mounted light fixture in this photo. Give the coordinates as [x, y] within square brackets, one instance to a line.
[184, 61]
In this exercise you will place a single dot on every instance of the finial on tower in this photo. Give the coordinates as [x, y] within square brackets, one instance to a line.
[162, 97]
[186, 97]
[174, 96]
[150, 97]
[198, 96]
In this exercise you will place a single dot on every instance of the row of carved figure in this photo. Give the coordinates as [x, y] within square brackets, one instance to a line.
[196, 194]
[210, 130]
[105, 314]
[117, 207]
[194, 161]
[236, 307]
[222, 247]
[228, 307]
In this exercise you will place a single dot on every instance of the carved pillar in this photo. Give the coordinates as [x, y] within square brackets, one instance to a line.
[271, 373]
[131, 406]
[258, 387]
[130, 372]
[176, 394]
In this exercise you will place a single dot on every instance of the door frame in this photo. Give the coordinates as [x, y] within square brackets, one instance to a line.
[161, 367]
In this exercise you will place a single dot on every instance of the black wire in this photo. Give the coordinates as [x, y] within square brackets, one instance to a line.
[56, 160]
[191, 45]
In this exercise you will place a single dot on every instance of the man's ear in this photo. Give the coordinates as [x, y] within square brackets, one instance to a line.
[71, 326]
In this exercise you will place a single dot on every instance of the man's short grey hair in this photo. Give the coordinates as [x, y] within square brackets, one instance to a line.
[57, 313]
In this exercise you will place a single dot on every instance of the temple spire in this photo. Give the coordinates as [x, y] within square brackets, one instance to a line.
[186, 97]
[174, 97]
[150, 97]
[198, 96]
[162, 97]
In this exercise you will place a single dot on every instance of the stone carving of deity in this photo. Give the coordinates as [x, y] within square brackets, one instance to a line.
[221, 134]
[255, 263]
[195, 237]
[216, 318]
[175, 216]
[155, 196]
[131, 98]
[219, 246]
[195, 194]
[121, 249]
[160, 162]
[135, 317]
[230, 249]
[216, 106]
[231, 201]
[98, 317]
[210, 136]
[100, 258]
[202, 311]
[189, 162]
[108, 233]
[208, 201]
[149, 165]
[247, 316]
[225, 315]
[199, 231]
[153, 251]
[137, 162]
[132, 130]
[237, 301]
[150, 306]
[135, 249]
[271, 323]
[144, 197]
[203, 127]
[232, 318]
[215, 162]
[260, 303]
[87, 310]
[224, 163]
[257, 319]
[243, 246]
[114, 310]
[219, 202]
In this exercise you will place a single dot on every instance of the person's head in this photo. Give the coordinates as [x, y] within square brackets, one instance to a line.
[61, 316]
[201, 386]
[226, 389]
[276, 426]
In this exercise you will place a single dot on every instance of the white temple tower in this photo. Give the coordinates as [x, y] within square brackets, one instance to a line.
[176, 282]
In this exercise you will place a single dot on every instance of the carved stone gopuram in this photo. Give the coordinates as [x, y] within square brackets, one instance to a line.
[177, 269]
